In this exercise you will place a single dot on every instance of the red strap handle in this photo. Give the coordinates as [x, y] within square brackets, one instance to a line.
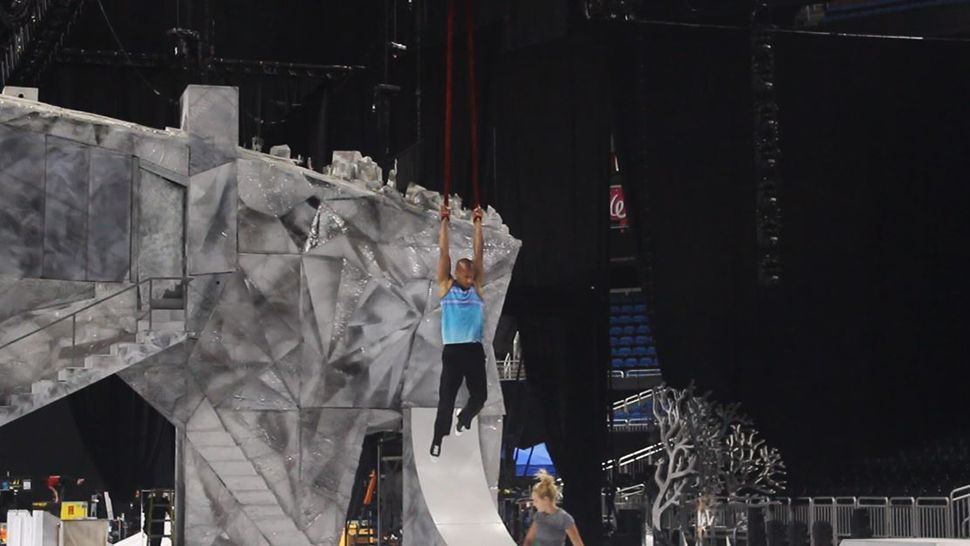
[472, 100]
[449, 62]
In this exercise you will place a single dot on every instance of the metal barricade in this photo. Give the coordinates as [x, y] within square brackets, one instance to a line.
[960, 511]
[803, 510]
[901, 517]
[921, 517]
[823, 509]
[877, 508]
[933, 517]
[842, 525]
[779, 509]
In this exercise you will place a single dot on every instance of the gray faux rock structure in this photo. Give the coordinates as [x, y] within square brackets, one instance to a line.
[311, 317]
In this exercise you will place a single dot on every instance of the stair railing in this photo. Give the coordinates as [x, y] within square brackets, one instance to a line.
[73, 315]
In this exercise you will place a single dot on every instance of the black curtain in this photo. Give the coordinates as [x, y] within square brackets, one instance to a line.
[860, 350]
[132, 445]
[104, 433]
[551, 114]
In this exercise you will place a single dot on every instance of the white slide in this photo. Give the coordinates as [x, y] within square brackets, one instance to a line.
[454, 486]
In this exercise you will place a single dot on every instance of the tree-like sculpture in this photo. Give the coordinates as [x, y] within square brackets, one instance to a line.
[751, 467]
[679, 457]
[709, 450]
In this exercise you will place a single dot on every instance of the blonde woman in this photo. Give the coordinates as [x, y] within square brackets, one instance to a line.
[551, 524]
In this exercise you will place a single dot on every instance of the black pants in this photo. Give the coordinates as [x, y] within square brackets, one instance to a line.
[460, 361]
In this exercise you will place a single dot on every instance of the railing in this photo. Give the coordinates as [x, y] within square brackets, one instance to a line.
[634, 400]
[635, 373]
[960, 511]
[889, 517]
[91, 328]
[511, 369]
[639, 456]
[74, 314]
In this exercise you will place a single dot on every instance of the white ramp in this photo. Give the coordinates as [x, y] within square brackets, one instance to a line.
[454, 486]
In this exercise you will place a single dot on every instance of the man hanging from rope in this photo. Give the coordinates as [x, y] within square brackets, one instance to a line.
[462, 316]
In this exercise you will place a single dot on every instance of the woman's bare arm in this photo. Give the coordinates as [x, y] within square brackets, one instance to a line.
[573, 533]
[530, 536]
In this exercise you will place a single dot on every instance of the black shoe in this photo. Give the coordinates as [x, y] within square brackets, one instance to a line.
[460, 427]
[435, 450]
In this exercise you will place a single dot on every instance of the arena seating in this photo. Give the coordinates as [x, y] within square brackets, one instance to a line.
[631, 339]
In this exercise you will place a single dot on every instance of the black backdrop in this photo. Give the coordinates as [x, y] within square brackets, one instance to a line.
[861, 350]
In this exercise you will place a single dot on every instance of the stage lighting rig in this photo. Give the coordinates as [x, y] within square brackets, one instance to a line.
[767, 152]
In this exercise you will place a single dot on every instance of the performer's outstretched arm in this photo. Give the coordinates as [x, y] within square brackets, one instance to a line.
[478, 243]
[444, 259]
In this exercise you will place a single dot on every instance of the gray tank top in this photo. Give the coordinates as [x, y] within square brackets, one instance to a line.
[551, 528]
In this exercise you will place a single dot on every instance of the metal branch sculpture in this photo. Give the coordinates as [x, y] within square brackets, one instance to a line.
[705, 432]
[708, 450]
[679, 460]
[752, 468]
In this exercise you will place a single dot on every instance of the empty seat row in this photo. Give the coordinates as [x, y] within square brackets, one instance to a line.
[634, 362]
[630, 340]
[641, 350]
[630, 330]
[628, 308]
[628, 319]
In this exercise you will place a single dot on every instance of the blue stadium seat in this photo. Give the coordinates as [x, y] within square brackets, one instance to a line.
[640, 308]
[626, 308]
[624, 352]
[643, 330]
[645, 362]
[616, 330]
[614, 340]
[639, 319]
[639, 350]
[617, 363]
[614, 309]
[629, 330]
[631, 362]
[640, 340]
[622, 319]
[626, 340]
[651, 351]
[614, 319]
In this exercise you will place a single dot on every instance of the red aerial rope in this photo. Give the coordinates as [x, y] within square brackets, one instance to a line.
[472, 101]
[449, 61]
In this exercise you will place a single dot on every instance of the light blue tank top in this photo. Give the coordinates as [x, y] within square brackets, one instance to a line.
[462, 313]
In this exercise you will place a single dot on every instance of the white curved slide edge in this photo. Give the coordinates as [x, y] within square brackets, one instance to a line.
[454, 486]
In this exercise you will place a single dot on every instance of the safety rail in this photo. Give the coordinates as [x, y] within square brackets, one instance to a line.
[635, 373]
[635, 424]
[633, 400]
[960, 511]
[634, 457]
[510, 369]
[90, 328]
[889, 517]
[74, 314]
